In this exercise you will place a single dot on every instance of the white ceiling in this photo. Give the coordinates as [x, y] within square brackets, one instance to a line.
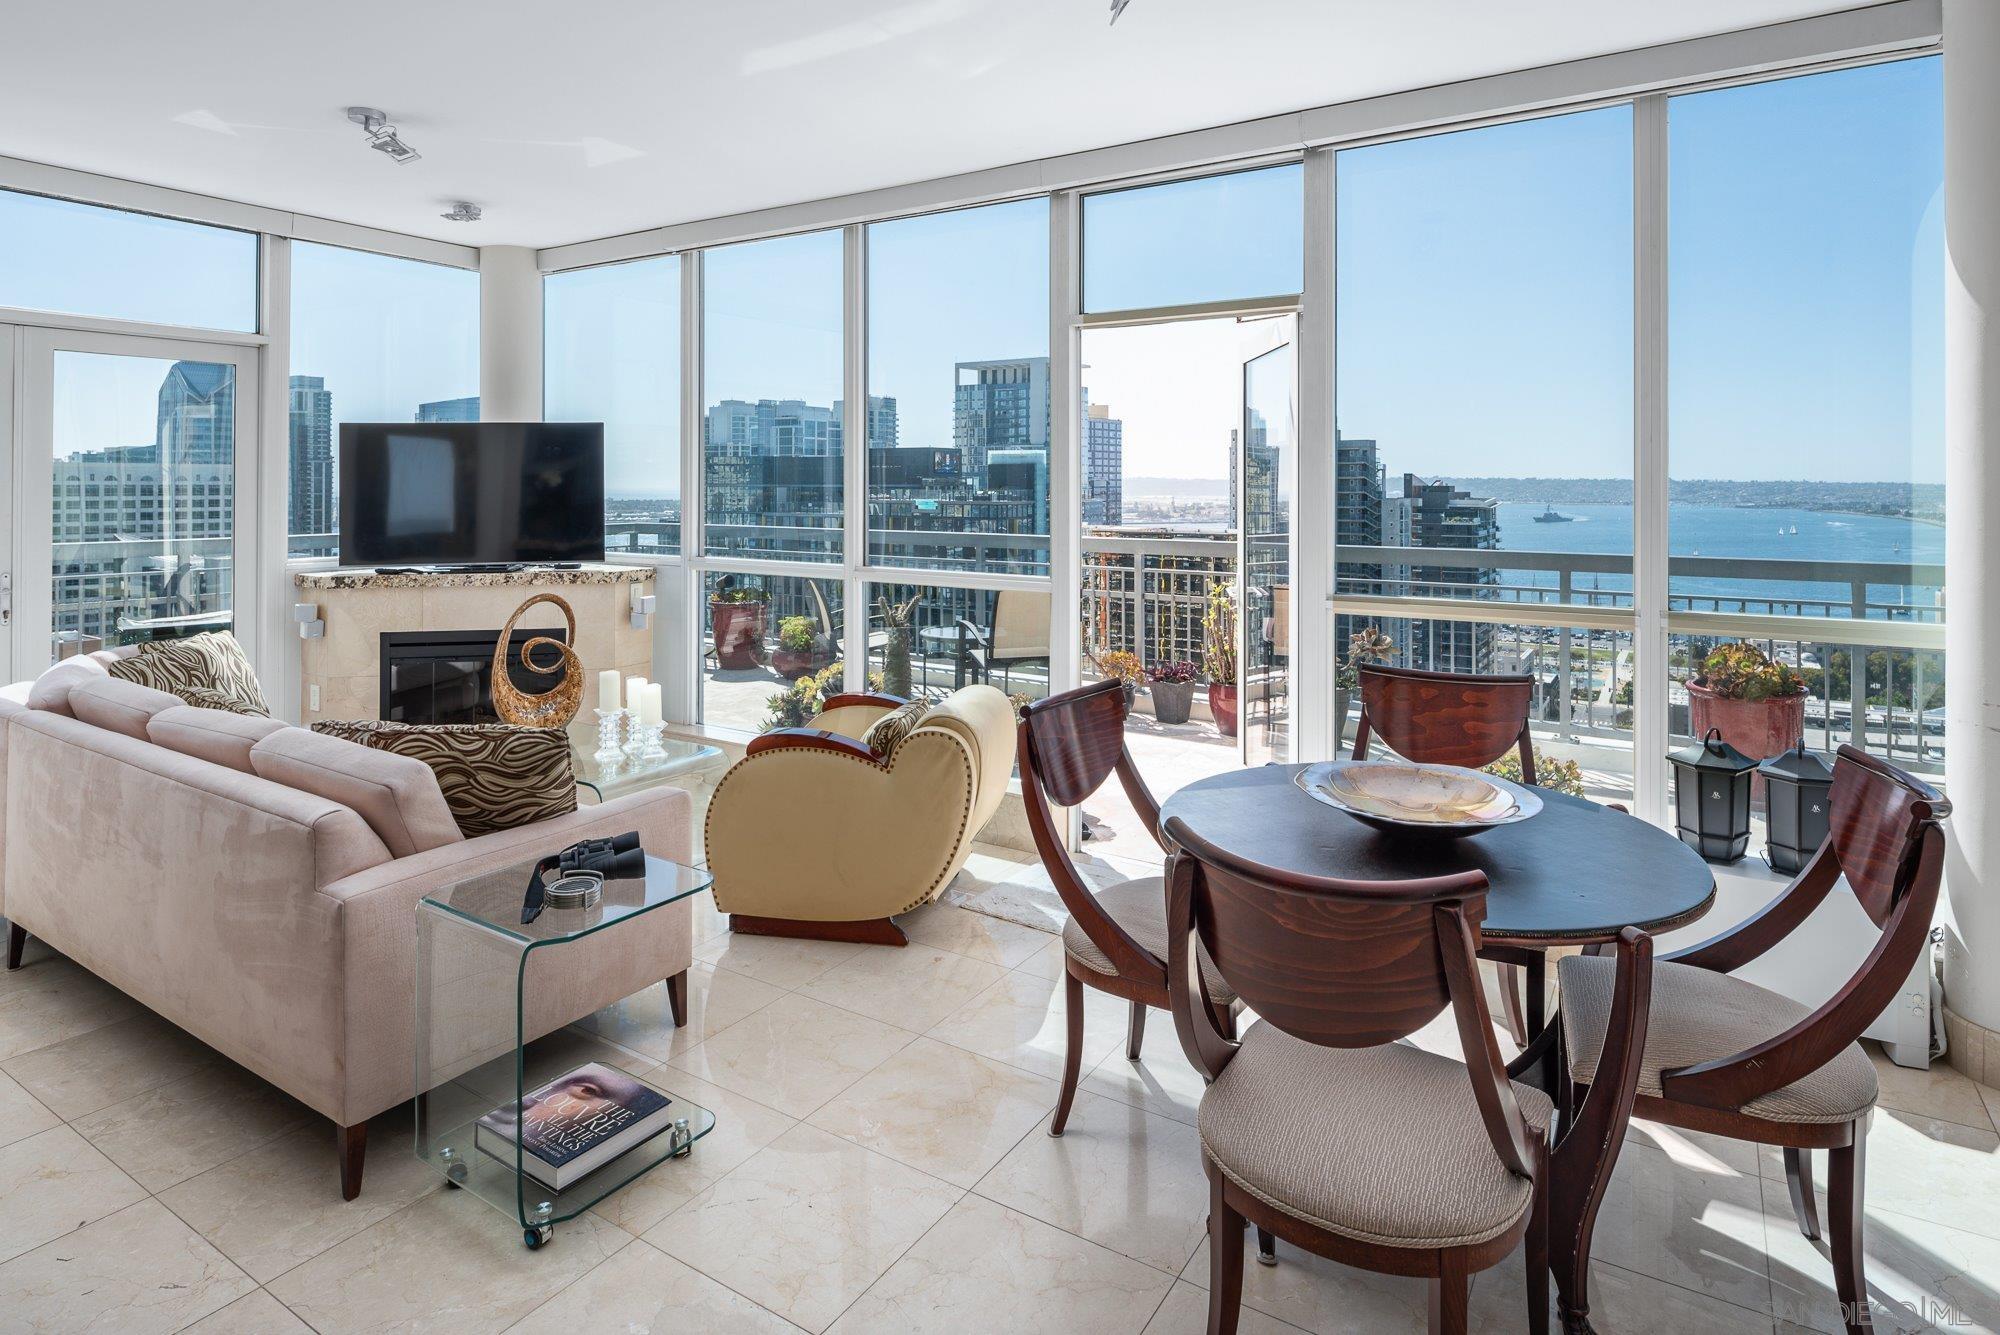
[568, 122]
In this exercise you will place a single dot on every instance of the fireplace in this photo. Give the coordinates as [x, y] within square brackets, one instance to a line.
[446, 676]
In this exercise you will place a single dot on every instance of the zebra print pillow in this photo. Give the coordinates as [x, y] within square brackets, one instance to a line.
[211, 664]
[494, 776]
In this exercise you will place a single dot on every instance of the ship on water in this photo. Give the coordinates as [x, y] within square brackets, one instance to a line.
[1550, 515]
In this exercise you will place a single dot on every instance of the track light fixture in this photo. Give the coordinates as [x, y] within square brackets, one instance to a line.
[382, 136]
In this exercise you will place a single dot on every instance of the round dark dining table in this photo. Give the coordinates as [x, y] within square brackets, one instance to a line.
[1576, 873]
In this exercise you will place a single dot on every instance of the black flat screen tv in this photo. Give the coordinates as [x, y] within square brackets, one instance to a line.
[465, 493]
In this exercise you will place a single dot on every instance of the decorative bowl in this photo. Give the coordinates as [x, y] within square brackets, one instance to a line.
[1441, 801]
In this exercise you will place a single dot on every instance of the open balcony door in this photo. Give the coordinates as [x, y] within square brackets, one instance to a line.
[133, 482]
[1266, 483]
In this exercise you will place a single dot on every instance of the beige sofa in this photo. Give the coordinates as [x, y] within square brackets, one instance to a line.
[256, 883]
[812, 834]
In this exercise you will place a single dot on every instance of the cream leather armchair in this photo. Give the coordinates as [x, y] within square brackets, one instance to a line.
[812, 834]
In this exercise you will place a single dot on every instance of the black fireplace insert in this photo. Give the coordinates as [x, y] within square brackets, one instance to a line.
[446, 676]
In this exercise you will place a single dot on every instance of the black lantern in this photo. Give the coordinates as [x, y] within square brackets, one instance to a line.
[1798, 787]
[1712, 797]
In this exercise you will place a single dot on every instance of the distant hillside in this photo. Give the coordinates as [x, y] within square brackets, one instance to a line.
[1923, 499]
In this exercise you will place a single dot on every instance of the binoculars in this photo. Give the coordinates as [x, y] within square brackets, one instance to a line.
[618, 858]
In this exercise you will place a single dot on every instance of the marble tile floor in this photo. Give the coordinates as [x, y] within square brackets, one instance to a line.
[881, 1165]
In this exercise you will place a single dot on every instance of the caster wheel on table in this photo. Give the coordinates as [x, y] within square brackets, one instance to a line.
[537, 1238]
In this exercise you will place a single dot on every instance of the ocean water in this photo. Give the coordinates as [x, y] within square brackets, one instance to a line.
[1738, 534]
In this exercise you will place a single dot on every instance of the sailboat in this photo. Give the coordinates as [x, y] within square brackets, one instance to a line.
[1550, 515]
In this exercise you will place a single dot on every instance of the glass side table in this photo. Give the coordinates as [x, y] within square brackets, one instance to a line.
[630, 775]
[481, 975]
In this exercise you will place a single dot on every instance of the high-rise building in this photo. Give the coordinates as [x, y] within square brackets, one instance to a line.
[449, 410]
[311, 456]
[882, 424]
[1358, 521]
[999, 405]
[1103, 464]
[1440, 515]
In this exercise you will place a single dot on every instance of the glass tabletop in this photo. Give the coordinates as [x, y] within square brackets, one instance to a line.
[494, 900]
[628, 774]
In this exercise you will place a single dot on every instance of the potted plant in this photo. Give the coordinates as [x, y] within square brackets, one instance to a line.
[801, 702]
[736, 621]
[1367, 645]
[1172, 685]
[1218, 626]
[899, 634]
[794, 656]
[1758, 705]
[1564, 776]
[1125, 668]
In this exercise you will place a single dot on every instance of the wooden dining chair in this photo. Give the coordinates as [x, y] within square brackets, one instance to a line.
[1732, 1059]
[1455, 718]
[1116, 938]
[1322, 1126]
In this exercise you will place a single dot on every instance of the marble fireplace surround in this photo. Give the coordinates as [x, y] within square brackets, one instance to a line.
[359, 605]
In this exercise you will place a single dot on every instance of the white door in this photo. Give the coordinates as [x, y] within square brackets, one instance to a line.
[133, 491]
[1267, 462]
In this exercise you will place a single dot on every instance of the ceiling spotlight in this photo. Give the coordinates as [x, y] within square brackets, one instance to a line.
[382, 135]
[463, 211]
[1118, 8]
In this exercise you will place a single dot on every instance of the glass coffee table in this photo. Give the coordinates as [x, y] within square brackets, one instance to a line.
[627, 774]
[480, 975]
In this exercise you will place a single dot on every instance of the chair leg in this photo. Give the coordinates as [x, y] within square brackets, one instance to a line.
[1798, 1176]
[1846, 1167]
[1537, 1256]
[1267, 1247]
[1072, 1051]
[1135, 1031]
[17, 941]
[1510, 1003]
[1449, 1292]
[1225, 1260]
[350, 1143]
[677, 998]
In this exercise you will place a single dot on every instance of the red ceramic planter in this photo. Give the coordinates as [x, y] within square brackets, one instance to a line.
[1222, 704]
[1759, 729]
[739, 634]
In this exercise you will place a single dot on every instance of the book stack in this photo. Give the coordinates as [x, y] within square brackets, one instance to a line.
[574, 1125]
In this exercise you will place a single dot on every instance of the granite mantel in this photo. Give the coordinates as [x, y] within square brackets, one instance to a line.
[531, 577]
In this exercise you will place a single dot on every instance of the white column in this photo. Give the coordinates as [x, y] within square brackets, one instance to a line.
[1972, 483]
[510, 335]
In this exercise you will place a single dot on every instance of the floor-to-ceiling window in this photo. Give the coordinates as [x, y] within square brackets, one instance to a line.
[1483, 458]
[375, 338]
[612, 354]
[1806, 454]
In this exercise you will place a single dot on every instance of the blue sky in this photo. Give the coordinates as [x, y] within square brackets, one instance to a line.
[1484, 298]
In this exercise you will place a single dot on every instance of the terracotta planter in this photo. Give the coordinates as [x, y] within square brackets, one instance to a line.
[1222, 704]
[739, 634]
[1759, 729]
[792, 663]
[1172, 700]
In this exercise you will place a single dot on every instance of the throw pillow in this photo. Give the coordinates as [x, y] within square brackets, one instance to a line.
[211, 662]
[887, 733]
[494, 776]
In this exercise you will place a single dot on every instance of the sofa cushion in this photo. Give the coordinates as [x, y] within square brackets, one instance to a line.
[212, 662]
[119, 706]
[219, 736]
[494, 776]
[51, 689]
[397, 796]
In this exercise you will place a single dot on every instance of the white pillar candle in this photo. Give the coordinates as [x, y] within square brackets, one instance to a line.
[607, 690]
[635, 691]
[649, 712]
